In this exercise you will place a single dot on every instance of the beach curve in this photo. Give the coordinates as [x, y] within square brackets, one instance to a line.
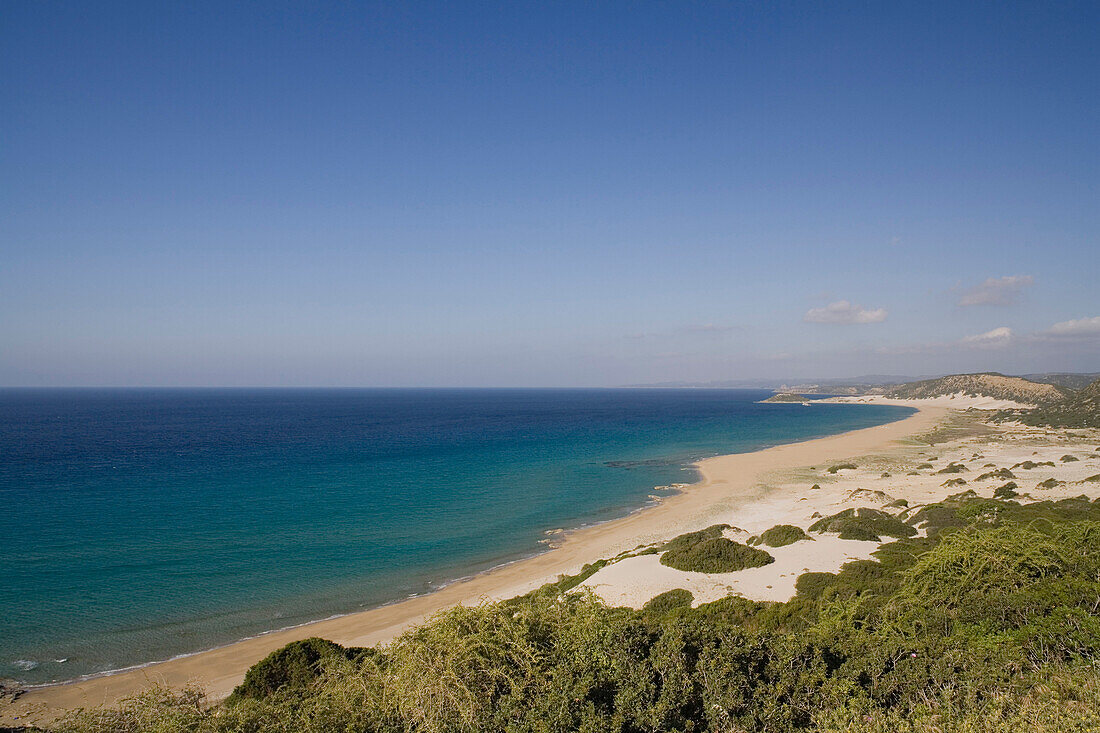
[724, 481]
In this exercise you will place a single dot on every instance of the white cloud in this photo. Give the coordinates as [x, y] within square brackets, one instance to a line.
[1080, 328]
[996, 291]
[844, 312]
[997, 337]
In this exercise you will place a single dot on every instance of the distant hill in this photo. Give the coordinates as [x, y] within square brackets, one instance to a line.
[889, 384]
[1079, 410]
[1065, 379]
[787, 397]
[987, 384]
[847, 385]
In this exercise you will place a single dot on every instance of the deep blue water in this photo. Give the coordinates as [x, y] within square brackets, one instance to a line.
[140, 524]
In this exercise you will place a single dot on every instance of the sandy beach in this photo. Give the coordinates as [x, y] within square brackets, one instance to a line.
[727, 484]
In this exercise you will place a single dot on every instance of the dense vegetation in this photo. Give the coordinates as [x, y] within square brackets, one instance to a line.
[1079, 410]
[1070, 380]
[987, 624]
[863, 524]
[668, 601]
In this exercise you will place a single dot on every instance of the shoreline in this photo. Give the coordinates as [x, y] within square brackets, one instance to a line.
[724, 483]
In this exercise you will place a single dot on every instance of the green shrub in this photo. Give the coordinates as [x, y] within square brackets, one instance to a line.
[668, 601]
[1062, 699]
[1000, 473]
[566, 583]
[783, 534]
[841, 467]
[1068, 458]
[1008, 491]
[689, 539]
[864, 524]
[1050, 483]
[718, 555]
[858, 532]
[953, 468]
[295, 666]
[812, 585]
[1028, 465]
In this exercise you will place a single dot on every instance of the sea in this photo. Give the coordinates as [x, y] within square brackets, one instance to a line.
[137, 525]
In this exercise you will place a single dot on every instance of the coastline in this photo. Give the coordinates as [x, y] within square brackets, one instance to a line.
[725, 483]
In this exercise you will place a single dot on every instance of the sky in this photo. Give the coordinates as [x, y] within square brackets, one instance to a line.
[545, 194]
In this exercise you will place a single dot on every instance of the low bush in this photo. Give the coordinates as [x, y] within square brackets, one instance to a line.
[689, 539]
[855, 531]
[812, 585]
[294, 667]
[782, 534]
[1029, 465]
[718, 555]
[1000, 473]
[863, 524]
[670, 600]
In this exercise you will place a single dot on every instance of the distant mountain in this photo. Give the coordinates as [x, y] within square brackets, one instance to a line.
[876, 380]
[986, 384]
[1065, 379]
[718, 384]
[1043, 388]
[843, 385]
[1078, 410]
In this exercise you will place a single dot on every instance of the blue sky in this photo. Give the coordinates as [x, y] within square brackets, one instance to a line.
[478, 194]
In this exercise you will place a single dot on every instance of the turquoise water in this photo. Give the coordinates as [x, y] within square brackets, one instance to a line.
[142, 524]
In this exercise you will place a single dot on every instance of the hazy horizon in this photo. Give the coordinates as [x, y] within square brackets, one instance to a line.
[600, 195]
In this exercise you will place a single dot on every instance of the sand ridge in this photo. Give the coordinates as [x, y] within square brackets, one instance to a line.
[1043, 463]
